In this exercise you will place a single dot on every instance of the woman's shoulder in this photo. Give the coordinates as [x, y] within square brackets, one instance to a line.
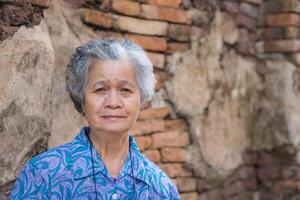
[151, 168]
[54, 158]
[157, 175]
[37, 175]
[159, 180]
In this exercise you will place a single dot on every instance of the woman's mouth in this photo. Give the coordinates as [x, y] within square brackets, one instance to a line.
[113, 117]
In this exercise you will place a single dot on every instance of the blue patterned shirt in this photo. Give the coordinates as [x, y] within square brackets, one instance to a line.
[66, 172]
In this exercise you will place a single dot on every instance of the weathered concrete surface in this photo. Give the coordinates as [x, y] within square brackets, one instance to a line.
[26, 68]
[35, 109]
[278, 121]
[233, 103]
[65, 30]
[215, 88]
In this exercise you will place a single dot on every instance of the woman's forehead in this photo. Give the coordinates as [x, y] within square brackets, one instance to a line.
[115, 64]
[120, 71]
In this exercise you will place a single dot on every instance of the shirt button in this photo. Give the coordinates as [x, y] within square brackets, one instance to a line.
[114, 196]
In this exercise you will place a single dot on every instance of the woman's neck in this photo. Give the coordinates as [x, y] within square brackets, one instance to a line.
[113, 149]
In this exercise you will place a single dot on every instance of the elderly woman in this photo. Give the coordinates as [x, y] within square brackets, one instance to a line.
[107, 81]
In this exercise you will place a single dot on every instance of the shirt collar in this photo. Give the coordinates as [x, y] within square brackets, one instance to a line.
[82, 161]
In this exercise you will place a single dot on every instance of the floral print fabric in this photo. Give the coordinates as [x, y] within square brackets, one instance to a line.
[67, 172]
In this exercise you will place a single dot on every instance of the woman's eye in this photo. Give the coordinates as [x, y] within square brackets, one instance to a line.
[125, 90]
[100, 89]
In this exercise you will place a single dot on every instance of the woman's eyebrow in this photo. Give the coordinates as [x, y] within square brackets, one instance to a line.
[99, 83]
[121, 82]
[124, 82]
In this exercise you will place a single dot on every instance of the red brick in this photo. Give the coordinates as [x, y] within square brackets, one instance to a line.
[161, 77]
[143, 142]
[169, 60]
[177, 47]
[202, 185]
[290, 184]
[258, 34]
[165, 13]
[268, 172]
[292, 32]
[152, 113]
[260, 21]
[291, 6]
[157, 59]
[126, 7]
[273, 33]
[41, 3]
[298, 174]
[153, 155]
[249, 10]
[256, 2]
[233, 189]
[246, 172]
[231, 7]
[170, 139]
[271, 7]
[185, 184]
[179, 32]
[249, 184]
[251, 158]
[108, 34]
[97, 18]
[239, 187]
[200, 18]
[196, 33]
[148, 126]
[246, 21]
[280, 33]
[295, 58]
[282, 6]
[174, 154]
[149, 42]
[263, 158]
[246, 48]
[189, 196]
[282, 155]
[169, 3]
[247, 195]
[283, 19]
[203, 196]
[215, 194]
[246, 42]
[140, 26]
[282, 46]
[175, 170]
[176, 124]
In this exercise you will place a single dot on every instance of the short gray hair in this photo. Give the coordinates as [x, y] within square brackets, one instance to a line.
[108, 49]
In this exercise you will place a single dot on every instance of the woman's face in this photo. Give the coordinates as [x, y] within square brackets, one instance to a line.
[111, 96]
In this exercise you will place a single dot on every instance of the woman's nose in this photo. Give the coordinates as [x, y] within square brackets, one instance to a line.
[113, 100]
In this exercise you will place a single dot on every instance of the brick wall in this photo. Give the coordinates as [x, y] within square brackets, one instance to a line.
[278, 170]
[163, 28]
[280, 30]
[266, 30]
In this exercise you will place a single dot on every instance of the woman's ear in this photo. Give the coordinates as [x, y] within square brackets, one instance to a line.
[82, 110]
